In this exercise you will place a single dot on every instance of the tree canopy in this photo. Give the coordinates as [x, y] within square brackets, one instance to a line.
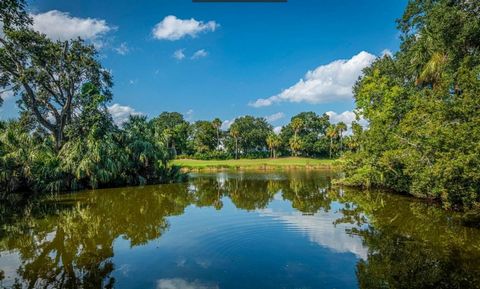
[423, 108]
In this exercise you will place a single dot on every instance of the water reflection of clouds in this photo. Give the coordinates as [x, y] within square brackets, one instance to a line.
[9, 263]
[179, 283]
[321, 230]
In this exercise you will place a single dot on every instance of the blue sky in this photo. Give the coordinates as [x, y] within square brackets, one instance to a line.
[244, 52]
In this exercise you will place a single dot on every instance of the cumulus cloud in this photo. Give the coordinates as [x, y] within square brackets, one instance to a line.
[327, 83]
[275, 116]
[277, 129]
[121, 113]
[59, 25]
[346, 117]
[179, 283]
[122, 49]
[178, 54]
[173, 28]
[199, 54]
[227, 123]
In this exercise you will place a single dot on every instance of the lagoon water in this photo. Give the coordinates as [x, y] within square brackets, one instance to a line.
[238, 230]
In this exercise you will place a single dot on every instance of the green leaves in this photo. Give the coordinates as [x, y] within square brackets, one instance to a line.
[422, 107]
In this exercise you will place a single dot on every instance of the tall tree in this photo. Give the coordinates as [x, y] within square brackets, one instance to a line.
[217, 124]
[422, 107]
[173, 129]
[48, 75]
[341, 128]
[252, 132]
[309, 128]
[204, 136]
[297, 125]
[273, 142]
[235, 134]
[331, 134]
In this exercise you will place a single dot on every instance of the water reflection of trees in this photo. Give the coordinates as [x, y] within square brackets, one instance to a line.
[307, 196]
[69, 243]
[73, 249]
[411, 244]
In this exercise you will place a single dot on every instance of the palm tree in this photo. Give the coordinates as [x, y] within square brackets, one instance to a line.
[295, 145]
[273, 142]
[235, 134]
[341, 127]
[432, 71]
[217, 123]
[428, 61]
[297, 124]
[331, 134]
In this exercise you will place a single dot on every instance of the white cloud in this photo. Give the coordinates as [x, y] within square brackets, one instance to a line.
[189, 115]
[327, 83]
[271, 118]
[59, 25]
[386, 52]
[227, 123]
[121, 113]
[172, 28]
[275, 117]
[347, 117]
[178, 54]
[277, 129]
[321, 230]
[122, 49]
[199, 54]
[179, 283]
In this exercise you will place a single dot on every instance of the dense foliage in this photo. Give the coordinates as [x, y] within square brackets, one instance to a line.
[307, 134]
[65, 138]
[423, 108]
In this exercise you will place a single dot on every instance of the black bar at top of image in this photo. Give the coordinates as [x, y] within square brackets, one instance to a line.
[232, 1]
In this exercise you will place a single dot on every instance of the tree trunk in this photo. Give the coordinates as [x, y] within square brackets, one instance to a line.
[331, 143]
[341, 142]
[58, 137]
[174, 150]
[236, 148]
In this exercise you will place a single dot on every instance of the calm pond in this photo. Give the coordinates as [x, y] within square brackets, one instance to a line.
[239, 230]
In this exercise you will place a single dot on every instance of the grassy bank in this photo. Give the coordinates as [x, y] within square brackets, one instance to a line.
[256, 164]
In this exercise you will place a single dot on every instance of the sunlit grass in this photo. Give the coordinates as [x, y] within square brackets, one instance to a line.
[290, 162]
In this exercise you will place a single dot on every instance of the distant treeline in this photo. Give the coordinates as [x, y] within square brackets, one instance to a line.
[307, 134]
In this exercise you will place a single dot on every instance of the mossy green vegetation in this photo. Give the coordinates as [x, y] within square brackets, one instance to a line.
[252, 164]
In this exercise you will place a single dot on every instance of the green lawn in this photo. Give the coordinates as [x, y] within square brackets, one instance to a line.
[287, 163]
